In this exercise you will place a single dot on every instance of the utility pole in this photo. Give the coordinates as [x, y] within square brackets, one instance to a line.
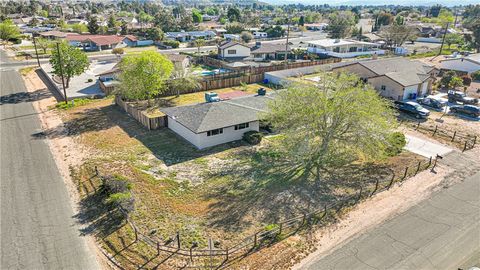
[286, 42]
[36, 52]
[61, 72]
[443, 39]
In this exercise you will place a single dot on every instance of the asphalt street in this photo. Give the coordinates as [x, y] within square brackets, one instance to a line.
[442, 232]
[37, 227]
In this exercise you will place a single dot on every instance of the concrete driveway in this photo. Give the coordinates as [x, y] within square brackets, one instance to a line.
[425, 148]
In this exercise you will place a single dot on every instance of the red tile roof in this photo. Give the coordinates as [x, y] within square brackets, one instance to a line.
[100, 40]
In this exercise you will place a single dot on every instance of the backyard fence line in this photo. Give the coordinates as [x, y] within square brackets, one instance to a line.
[466, 141]
[220, 257]
[149, 122]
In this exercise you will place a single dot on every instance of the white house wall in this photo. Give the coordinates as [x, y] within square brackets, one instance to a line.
[201, 140]
[241, 51]
[413, 89]
[392, 90]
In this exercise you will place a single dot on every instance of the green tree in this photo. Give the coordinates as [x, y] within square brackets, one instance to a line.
[143, 76]
[183, 80]
[156, 34]
[233, 14]
[8, 31]
[435, 10]
[199, 42]
[196, 16]
[330, 124]
[112, 23]
[93, 26]
[73, 62]
[453, 39]
[276, 31]
[341, 24]
[301, 21]
[447, 77]
[396, 35]
[384, 18]
[246, 36]
[455, 82]
[235, 28]
[79, 28]
[471, 20]
[44, 44]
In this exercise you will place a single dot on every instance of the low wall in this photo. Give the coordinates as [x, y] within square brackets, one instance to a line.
[281, 76]
[150, 123]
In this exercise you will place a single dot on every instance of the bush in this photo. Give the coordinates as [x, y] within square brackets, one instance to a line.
[90, 80]
[118, 189]
[467, 80]
[396, 142]
[476, 75]
[118, 51]
[252, 137]
[172, 43]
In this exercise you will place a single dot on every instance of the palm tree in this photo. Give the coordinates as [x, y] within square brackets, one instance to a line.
[183, 80]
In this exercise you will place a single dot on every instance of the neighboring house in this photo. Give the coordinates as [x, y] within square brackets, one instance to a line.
[343, 48]
[396, 78]
[316, 26]
[96, 42]
[464, 64]
[76, 21]
[230, 37]
[54, 34]
[180, 61]
[260, 34]
[209, 124]
[192, 35]
[233, 50]
[268, 51]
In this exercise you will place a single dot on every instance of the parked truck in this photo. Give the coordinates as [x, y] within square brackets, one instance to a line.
[457, 96]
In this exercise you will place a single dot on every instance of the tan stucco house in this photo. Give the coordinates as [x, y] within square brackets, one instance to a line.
[396, 78]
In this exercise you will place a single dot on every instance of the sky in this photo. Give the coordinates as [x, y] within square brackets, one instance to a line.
[376, 2]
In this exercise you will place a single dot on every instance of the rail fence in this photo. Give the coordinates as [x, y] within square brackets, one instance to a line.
[215, 257]
[464, 141]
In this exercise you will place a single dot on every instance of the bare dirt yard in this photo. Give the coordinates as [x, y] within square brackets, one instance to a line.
[225, 193]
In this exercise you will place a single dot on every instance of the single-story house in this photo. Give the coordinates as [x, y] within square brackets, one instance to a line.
[268, 51]
[316, 26]
[180, 61]
[192, 35]
[233, 50]
[96, 42]
[209, 124]
[396, 78]
[464, 64]
[54, 34]
[230, 37]
[257, 34]
[343, 48]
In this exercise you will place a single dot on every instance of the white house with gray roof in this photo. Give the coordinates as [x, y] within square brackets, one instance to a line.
[209, 124]
[396, 78]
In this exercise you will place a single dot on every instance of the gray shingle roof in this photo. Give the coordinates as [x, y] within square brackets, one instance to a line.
[208, 116]
[270, 48]
[406, 78]
[397, 64]
[230, 44]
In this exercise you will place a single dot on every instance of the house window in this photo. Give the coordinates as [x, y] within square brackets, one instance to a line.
[232, 51]
[214, 132]
[241, 126]
[383, 87]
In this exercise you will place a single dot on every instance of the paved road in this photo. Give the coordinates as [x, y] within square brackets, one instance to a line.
[37, 230]
[442, 232]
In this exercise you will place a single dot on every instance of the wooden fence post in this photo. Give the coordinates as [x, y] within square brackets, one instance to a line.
[430, 161]
[158, 248]
[465, 146]
[418, 167]
[136, 233]
[376, 187]
[324, 211]
[418, 125]
[391, 181]
[178, 240]
[280, 230]
[474, 141]
[435, 131]
[360, 194]
[454, 134]
[405, 174]
[255, 240]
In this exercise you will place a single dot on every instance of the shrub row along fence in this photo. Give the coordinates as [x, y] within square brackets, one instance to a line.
[215, 257]
[149, 122]
[464, 141]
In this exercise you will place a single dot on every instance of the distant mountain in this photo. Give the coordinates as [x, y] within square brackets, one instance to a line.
[375, 2]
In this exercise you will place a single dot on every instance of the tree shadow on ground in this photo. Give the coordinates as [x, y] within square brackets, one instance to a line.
[268, 191]
[101, 218]
[25, 97]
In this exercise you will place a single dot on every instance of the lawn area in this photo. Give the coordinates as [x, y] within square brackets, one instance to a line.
[224, 193]
[198, 97]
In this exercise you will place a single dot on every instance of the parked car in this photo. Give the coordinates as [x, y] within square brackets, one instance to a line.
[413, 108]
[434, 102]
[466, 109]
[457, 96]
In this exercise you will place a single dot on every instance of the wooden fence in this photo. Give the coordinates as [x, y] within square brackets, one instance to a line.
[149, 122]
[216, 257]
